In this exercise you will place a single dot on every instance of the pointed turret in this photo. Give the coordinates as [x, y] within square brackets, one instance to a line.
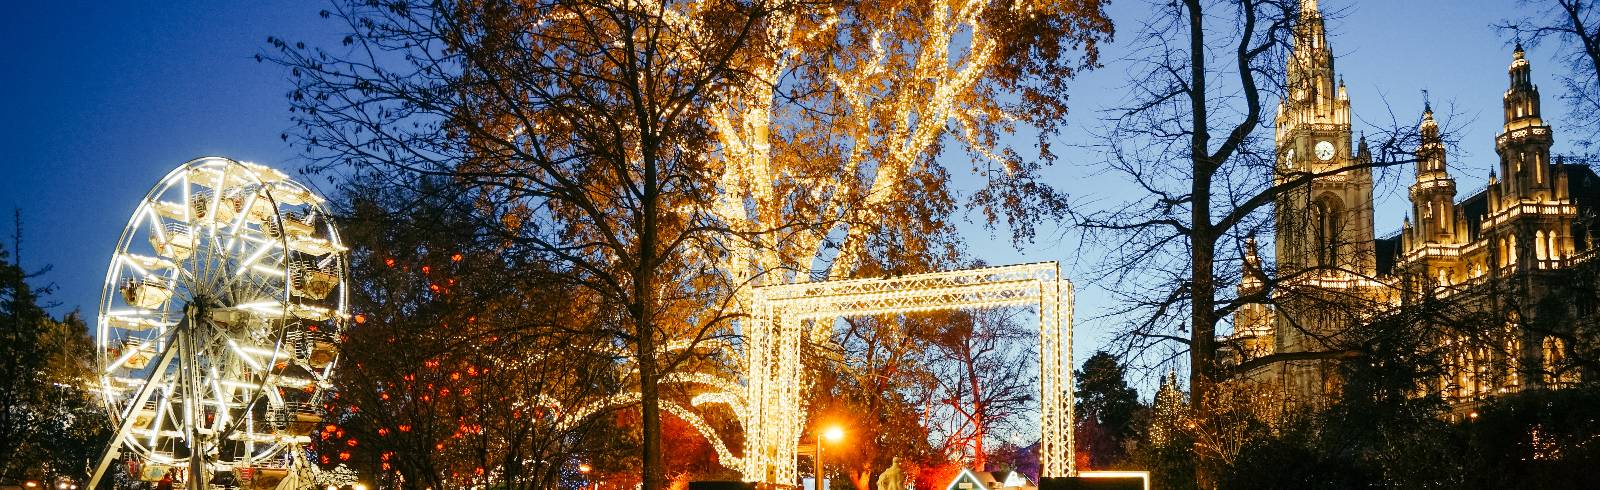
[1253, 321]
[1524, 141]
[1433, 194]
[1311, 74]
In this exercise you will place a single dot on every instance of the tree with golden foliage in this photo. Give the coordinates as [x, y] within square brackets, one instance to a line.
[666, 155]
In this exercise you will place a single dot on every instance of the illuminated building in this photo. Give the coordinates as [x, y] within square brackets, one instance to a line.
[1501, 253]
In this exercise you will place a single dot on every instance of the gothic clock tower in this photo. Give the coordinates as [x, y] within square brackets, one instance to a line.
[1328, 224]
[1324, 242]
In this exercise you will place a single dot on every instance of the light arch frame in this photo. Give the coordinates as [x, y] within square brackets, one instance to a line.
[773, 417]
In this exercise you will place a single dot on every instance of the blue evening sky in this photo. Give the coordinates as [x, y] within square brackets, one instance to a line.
[106, 97]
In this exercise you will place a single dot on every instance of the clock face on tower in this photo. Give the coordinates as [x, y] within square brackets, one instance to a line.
[1324, 150]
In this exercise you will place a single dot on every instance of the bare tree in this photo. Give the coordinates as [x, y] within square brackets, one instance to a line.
[1198, 138]
[982, 359]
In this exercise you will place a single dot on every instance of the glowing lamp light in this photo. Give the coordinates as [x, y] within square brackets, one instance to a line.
[833, 434]
[585, 468]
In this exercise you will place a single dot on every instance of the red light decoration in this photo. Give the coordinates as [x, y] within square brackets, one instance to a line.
[455, 258]
[389, 262]
[360, 319]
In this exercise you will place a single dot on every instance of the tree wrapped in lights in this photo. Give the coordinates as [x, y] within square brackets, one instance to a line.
[1170, 414]
[668, 155]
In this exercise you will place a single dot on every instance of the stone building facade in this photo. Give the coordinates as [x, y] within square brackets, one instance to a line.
[1515, 251]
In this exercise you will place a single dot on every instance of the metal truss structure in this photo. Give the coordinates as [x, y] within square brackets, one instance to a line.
[774, 415]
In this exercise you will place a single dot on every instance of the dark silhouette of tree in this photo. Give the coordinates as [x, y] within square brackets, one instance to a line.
[50, 425]
[1196, 136]
[1107, 410]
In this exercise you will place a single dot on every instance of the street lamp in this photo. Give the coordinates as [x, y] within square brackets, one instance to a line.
[832, 433]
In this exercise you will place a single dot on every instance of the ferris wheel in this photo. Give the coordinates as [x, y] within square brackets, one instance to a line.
[218, 322]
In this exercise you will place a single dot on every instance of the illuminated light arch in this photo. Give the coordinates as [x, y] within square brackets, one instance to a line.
[584, 412]
[774, 418]
[724, 457]
[704, 379]
[732, 400]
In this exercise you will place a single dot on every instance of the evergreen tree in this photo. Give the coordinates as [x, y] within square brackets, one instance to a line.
[49, 426]
[1106, 408]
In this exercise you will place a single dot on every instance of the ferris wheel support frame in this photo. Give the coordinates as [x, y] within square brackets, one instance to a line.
[114, 448]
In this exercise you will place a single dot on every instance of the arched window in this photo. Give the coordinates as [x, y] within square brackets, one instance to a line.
[1513, 353]
[1327, 221]
[1539, 245]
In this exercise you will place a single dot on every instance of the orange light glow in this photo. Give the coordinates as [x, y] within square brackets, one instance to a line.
[833, 434]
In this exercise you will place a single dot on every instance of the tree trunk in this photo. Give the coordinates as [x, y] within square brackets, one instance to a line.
[650, 408]
[974, 383]
[644, 294]
[1202, 239]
